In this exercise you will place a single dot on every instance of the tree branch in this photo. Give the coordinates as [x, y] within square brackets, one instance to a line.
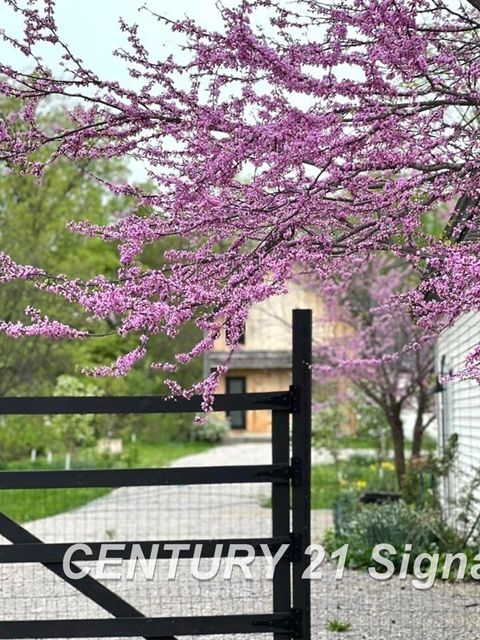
[475, 4]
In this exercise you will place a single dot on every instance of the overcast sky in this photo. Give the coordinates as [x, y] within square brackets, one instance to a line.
[91, 29]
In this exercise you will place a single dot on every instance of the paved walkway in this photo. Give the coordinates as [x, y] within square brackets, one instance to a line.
[377, 611]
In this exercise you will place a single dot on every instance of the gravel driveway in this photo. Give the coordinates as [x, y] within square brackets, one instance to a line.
[377, 611]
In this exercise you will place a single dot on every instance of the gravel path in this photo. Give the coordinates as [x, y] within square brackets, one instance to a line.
[377, 611]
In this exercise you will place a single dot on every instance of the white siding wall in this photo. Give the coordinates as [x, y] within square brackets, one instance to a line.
[459, 404]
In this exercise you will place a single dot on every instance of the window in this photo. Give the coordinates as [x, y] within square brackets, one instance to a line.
[238, 419]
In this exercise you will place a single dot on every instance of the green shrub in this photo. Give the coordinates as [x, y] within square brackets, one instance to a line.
[372, 426]
[354, 476]
[162, 428]
[394, 523]
[19, 435]
[70, 434]
[422, 482]
[360, 460]
[419, 519]
[213, 429]
[326, 429]
[344, 508]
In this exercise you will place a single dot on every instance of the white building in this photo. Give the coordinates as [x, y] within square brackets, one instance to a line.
[458, 404]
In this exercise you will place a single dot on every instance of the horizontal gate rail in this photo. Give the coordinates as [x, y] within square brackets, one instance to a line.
[289, 477]
[148, 627]
[262, 473]
[88, 586]
[40, 405]
[55, 552]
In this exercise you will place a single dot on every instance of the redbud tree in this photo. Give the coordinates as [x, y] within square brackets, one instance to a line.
[386, 358]
[298, 137]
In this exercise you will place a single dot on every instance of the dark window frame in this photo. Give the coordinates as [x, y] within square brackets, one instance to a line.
[238, 418]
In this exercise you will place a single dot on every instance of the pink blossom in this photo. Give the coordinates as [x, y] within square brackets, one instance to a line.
[340, 165]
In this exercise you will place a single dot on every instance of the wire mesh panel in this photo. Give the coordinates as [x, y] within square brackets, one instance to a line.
[151, 510]
[241, 508]
[146, 514]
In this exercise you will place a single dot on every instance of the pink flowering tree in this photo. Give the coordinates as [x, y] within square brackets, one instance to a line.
[351, 120]
[379, 356]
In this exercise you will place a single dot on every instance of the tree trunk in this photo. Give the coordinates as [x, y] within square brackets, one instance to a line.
[396, 426]
[418, 429]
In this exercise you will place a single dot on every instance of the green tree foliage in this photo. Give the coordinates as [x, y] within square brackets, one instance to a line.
[34, 214]
[326, 430]
[71, 432]
[33, 218]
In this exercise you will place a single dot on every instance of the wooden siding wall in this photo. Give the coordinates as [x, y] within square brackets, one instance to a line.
[257, 380]
[269, 332]
[269, 322]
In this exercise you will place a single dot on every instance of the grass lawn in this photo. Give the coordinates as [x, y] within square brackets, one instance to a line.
[24, 505]
[159, 455]
[354, 475]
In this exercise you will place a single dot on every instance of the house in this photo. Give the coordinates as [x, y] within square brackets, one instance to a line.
[263, 360]
[458, 402]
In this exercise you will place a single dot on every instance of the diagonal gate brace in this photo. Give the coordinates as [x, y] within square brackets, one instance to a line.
[86, 585]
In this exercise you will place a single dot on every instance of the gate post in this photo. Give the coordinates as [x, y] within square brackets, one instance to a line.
[282, 592]
[301, 463]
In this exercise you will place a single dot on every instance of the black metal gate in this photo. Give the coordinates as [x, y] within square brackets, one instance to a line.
[289, 475]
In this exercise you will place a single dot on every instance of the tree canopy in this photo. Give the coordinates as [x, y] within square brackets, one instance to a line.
[33, 228]
[385, 358]
[353, 120]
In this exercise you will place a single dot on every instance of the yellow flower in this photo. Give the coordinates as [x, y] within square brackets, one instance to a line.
[388, 466]
[360, 484]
